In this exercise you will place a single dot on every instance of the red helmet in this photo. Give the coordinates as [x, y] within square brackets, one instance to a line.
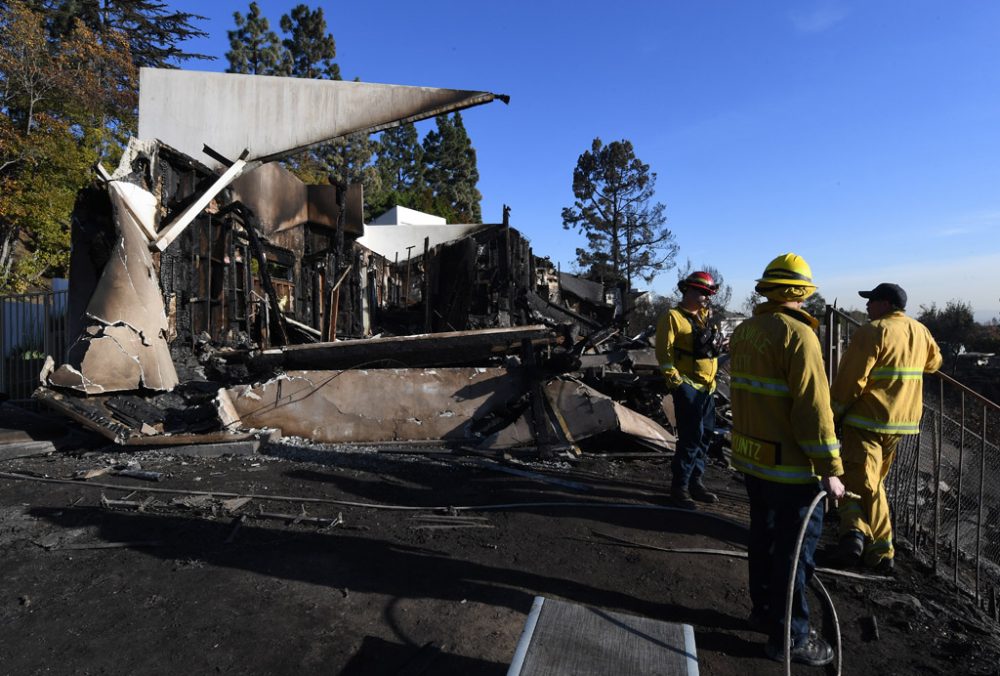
[699, 280]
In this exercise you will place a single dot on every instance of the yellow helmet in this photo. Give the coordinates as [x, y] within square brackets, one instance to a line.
[788, 270]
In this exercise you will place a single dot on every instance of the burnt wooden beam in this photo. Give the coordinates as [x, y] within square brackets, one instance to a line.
[434, 349]
[257, 249]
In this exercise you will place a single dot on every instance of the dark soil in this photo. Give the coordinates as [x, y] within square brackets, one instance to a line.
[198, 590]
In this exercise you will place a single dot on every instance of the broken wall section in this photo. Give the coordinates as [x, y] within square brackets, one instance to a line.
[123, 338]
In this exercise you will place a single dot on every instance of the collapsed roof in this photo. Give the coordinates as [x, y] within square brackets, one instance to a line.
[277, 117]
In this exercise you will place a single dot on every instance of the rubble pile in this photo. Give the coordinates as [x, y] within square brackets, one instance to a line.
[216, 296]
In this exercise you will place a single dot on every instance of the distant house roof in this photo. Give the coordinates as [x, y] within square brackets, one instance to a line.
[405, 216]
[399, 229]
[582, 288]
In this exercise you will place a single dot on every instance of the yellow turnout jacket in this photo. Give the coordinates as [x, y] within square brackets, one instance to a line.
[675, 350]
[782, 421]
[879, 384]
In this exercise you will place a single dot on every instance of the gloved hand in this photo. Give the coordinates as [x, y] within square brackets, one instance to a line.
[674, 381]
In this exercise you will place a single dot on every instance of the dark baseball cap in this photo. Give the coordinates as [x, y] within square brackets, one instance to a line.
[885, 291]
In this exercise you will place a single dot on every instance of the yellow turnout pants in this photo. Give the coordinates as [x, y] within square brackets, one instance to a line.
[867, 457]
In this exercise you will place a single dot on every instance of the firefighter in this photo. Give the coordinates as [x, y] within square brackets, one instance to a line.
[687, 351]
[877, 397]
[785, 445]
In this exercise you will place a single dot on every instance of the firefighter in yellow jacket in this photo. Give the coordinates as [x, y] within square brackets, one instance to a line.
[687, 349]
[785, 444]
[877, 397]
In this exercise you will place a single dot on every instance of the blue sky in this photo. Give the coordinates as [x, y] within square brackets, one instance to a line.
[862, 135]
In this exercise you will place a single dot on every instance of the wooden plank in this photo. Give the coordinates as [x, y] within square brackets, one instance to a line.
[172, 230]
[565, 638]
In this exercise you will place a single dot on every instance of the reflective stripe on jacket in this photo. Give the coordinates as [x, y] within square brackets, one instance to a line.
[879, 383]
[782, 422]
[674, 350]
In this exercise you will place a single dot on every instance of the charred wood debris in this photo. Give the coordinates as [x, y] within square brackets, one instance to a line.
[267, 315]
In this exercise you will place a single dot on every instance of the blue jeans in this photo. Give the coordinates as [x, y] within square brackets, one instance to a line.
[776, 514]
[695, 413]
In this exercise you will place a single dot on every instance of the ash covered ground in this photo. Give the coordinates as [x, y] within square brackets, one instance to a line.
[355, 571]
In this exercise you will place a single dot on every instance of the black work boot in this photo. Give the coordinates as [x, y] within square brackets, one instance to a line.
[812, 650]
[847, 553]
[885, 567]
[680, 497]
[702, 494]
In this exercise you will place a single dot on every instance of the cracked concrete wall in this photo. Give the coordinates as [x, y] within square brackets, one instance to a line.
[124, 342]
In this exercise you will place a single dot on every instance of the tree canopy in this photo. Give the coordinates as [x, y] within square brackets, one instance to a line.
[815, 305]
[152, 31]
[953, 326]
[63, 102]
[450, 169]
[614, 208]
[255, 49]
[306, 51]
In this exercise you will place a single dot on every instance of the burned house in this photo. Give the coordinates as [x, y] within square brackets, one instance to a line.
[208, 278]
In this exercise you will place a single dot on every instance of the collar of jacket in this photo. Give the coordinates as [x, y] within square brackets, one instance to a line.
[771, 308]
[701, 314]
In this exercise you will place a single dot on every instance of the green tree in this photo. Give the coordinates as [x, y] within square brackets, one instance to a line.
[254, 48]
[400, 170]
[400, 158]
[816, 305]
[451, 171]
[952, 327]
[311, 48]
[153, 31]
[987, 338]
[626, 236]
[309, 52]
[59, 103]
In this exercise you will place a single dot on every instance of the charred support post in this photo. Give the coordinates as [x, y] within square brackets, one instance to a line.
[265, 277]
[406, 284]
[331, 328]
[427, 285]
[333, 295]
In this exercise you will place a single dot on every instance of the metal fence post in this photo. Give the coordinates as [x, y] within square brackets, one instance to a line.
[979, 519]
[938, 424]
[958, 497]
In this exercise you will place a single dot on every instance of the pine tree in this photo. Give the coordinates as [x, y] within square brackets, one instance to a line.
[311, 48]
[451, 172]
[815, 305]
[154, 31]
[400, 158]
[310, 53]
[626, 237]
[254, 48]
[400, 170]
